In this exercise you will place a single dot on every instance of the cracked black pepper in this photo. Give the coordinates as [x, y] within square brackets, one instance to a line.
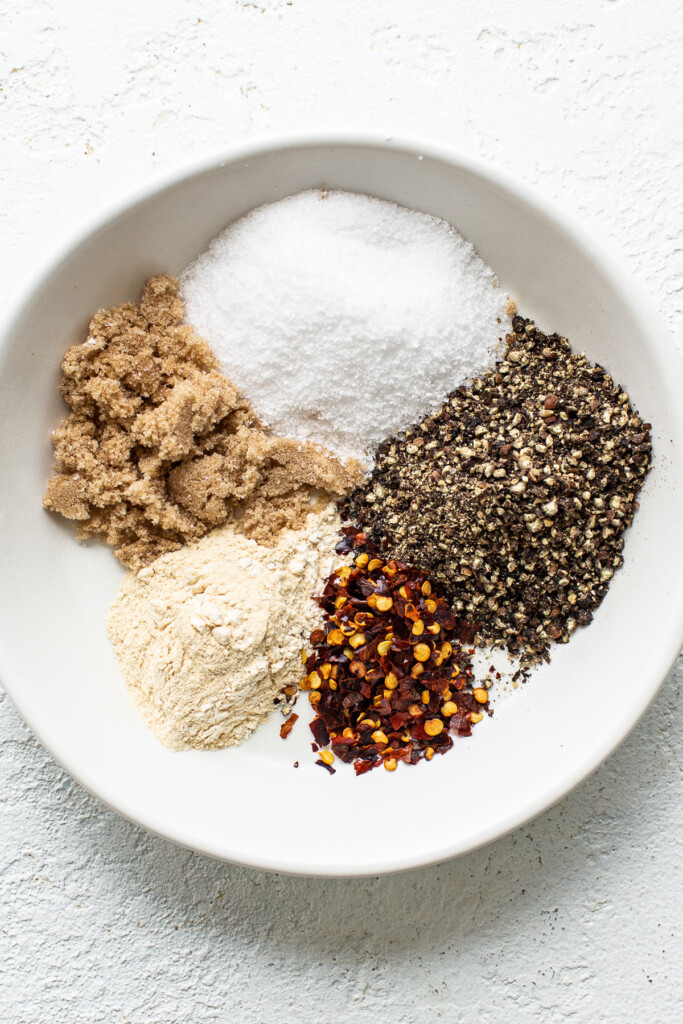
[516, 493]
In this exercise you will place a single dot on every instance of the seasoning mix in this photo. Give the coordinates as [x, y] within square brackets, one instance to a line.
[498, 481]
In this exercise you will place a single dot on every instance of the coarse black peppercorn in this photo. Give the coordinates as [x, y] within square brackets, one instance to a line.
[516, 493]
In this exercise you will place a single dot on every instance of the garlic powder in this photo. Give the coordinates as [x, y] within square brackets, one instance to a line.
[207, 636]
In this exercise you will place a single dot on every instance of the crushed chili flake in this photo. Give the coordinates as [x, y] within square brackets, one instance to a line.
[327, 767]
[320, 733]
[287, 726]
[388, 666]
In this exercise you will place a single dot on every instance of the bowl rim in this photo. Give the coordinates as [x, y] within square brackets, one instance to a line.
[639, 306]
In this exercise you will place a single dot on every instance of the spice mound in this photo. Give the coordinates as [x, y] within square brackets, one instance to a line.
[360, 315]
[390, 676]
[210, 634]
[515, 495]
[159, 447]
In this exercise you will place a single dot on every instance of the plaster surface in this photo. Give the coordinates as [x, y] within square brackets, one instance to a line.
[575, 917]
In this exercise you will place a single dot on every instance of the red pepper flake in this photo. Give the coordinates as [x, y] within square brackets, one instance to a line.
[288, 725]
[327, 767]
[397, 657]
[320, 733]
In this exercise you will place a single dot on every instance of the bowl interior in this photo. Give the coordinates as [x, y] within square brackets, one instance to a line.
[249, 804]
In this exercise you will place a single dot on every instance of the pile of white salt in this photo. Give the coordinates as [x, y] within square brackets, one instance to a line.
[343, 318]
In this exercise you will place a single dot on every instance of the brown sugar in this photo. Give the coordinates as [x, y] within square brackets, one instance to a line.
[159, 447]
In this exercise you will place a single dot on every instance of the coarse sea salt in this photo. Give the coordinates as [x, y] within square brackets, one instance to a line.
[344, 318]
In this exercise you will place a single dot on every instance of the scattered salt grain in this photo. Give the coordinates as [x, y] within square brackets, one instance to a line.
[344, 318]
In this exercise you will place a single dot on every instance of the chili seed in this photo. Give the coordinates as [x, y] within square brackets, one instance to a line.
[433, 727]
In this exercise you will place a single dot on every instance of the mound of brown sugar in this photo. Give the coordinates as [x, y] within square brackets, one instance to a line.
[159, 447]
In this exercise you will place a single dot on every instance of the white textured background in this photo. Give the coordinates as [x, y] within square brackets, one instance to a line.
[574, 917]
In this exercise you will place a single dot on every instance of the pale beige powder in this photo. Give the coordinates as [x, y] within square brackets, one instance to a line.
[208, 635]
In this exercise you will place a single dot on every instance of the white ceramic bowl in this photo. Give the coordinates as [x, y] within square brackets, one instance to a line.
[249, 804]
